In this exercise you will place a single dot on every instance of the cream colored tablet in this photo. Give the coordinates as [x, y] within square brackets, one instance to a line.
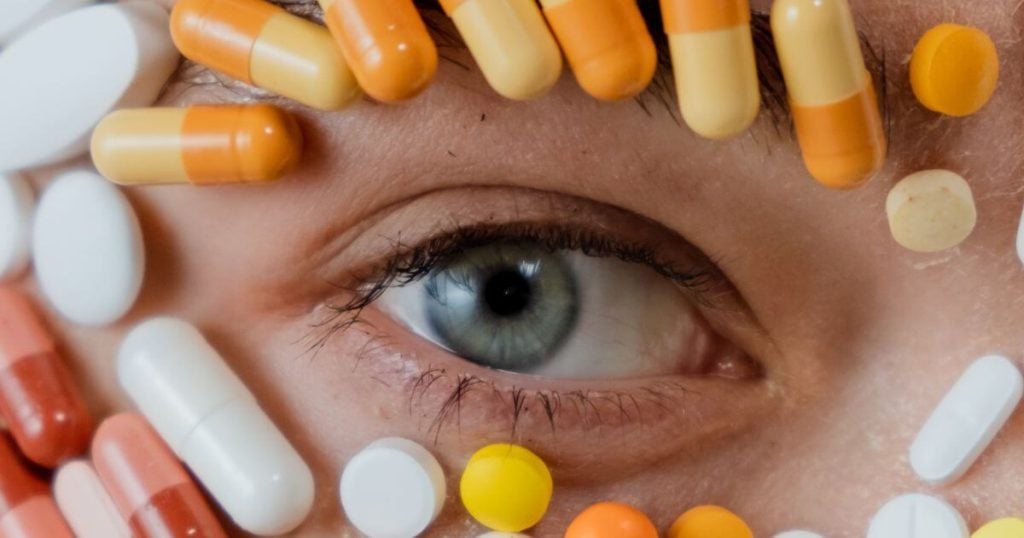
[931, 210]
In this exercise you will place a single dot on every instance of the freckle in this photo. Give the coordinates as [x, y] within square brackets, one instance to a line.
[450, 154]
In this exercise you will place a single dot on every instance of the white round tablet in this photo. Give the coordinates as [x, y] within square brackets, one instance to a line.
[16, 16]
[798, 534]
[394, 488]
[16, 205]
[87, 249]
[58, 80]
[916, 515]
[931, 210]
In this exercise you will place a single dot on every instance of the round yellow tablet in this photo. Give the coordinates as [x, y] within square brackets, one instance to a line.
[506, 487]
[706, 521]
[1009, 527]
[931, 210]
[954, 69]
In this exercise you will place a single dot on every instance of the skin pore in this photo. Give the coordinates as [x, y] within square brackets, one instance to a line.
[855, 338]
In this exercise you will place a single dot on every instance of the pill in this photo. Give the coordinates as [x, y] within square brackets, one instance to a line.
[121, 56]
[38, 399]
[147, 483]
[264, 45]
[87, 249]
[611, 520]
[1009, 527]
[16, 206]
[213, 423]
[607, 45]
[954, 69]
[506, 487]
[713, 60]
[966, 420]
[798, 534]
[1020, 238]
[199, 144]
[496, 534]
[26, 508]
[916, 515]
[393, 488]
[386, 45]
[931, 210]
[16, 16]
[85, 503]
[708, 520]
[831, 95]
[510, 42]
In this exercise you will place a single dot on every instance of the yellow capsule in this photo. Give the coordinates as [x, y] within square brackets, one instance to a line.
[607, 44]
[264, 45]
[954, 69]
[706, 521]
[506, 488]
[830, 91]
[199, 144]
[714, 64]
[1009, 527]
[510, 42]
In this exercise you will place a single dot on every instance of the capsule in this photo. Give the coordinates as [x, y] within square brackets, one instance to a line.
[510, 42]
[830, 91]
[85, 503]
[713, 61]
[26, 508]
[264, 45]
[147, 483]
[213, 423]
[385, 43]
[607, 44]
[199, 144]
[38, 399]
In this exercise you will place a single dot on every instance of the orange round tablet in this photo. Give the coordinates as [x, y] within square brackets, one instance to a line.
[611, 520]
[706, 521]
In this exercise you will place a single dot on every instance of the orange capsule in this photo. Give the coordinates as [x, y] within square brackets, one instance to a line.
[45, 412]
[385, 43]
[27, 509]
[611, 520]
[199, 144]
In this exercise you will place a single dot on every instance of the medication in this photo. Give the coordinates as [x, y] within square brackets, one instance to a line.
[147, 483]
[215, 426]
[86, 505]
[26, 507]
[510, 42]
[38, 399]
[506, 487]
[16, 16]
[916, 515]
[606, 43]
[386, 45]
[831, 95]
[715, 68]
[16, 206]
[200, 144]
[87, 249]
[708, 520]
[611, 520]
[112, 55]
[931, 210]
[798, 534]
[496, 534]
[1020, 239]
[394, 488]
[966, 420]
[264, 45]
[954, 69]
[1009, 527]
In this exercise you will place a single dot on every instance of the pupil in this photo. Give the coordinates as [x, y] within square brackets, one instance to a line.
[507, 292]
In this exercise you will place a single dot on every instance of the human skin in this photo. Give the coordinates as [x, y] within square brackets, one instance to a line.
[857, 338]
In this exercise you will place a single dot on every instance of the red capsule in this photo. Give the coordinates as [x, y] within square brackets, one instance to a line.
[26, 508]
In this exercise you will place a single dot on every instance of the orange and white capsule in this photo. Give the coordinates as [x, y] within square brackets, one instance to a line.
[713, 60]
[830, 91]
[510, 42]
[385, 43]
[264, 45]
[607, 44]
[198, 144]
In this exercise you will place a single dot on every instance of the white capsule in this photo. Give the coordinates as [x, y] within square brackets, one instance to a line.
[394, 488]
[87, 249]
[16, 16]
[966, 420]
[798, 534]
[16, 205]
[61, 78]
[916, 515]
[85, 504]
[1020, 238]
[214, 424]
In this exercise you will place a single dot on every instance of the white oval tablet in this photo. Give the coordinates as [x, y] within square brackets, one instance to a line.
[798, 534]
[966, 420]
[85, 504]
[916, 515]
[16, 205]
[61, 78]
[394, 488]
[16, 16]
[87, 249]
[931, 210]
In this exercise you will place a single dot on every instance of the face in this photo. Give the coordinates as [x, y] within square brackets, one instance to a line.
[667, 321]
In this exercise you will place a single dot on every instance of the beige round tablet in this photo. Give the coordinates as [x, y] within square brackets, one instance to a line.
[931, 210]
